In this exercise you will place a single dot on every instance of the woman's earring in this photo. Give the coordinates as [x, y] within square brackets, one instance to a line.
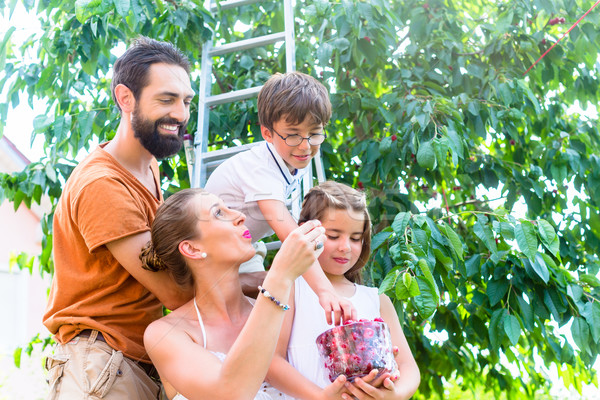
[203, 255]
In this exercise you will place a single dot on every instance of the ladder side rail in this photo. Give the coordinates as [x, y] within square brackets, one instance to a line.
[290, 45]
[201, 137]
[318, 160]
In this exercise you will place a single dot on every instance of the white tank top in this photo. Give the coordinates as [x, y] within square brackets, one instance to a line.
[310, 322]
[266, 392]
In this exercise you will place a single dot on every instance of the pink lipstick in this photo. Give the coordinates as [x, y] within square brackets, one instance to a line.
[247, 234]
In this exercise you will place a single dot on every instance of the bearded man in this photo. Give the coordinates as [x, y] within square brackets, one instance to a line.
[101, 299]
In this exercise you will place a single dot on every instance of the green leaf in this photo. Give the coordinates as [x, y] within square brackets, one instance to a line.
[426, 302]
[388, 282]
[549, 237]
[400, 223]
[3, 44]
[426, 155]
[581, 333]
[379, 239]
[407, 287]
[485, 234]
[41, 123]
[473, 265]
[246, 62]
[122, 7]
[17, 356]
[591, 312]
[50, 172]
[85, 122]
[85, 9]
[454, 239]
[507, 231]
[496, 290]
[526, 239]
[424, 268]
[575, 292]
[540, 268]
[512, 328]
[526, 313]
[386, 145]
[590, 280]
[496, 332]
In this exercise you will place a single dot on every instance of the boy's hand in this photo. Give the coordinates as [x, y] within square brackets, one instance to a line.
[340, 307]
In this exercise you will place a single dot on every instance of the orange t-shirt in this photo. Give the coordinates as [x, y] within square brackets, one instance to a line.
[101, 202]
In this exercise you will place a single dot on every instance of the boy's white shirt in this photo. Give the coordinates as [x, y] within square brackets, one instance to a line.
[256, 174]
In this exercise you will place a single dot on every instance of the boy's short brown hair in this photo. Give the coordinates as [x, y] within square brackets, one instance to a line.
[294, 95]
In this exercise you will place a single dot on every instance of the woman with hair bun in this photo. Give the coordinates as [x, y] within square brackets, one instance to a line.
[220, 344]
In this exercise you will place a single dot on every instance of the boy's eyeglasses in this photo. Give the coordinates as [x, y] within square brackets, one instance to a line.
[295, 140]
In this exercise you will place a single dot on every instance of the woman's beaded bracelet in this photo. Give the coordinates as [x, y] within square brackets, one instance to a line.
[266, 293]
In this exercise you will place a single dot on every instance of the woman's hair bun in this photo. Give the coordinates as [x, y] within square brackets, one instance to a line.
[150, 260]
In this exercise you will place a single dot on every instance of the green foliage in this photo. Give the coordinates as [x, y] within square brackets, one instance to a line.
[484, 183]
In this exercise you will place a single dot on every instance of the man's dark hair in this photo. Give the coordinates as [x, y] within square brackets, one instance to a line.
[131, 69]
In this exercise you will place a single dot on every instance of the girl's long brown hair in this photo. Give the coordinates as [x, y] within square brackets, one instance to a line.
[337, 196]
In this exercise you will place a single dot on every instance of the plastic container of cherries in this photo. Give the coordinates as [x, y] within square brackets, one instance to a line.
[355, 348]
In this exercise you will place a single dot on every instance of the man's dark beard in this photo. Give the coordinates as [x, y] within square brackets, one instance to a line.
[159, 145]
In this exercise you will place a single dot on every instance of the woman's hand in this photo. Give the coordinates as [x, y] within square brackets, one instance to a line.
[300, 249]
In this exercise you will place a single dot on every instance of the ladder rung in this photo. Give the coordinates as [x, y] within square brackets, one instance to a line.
[247, 44]
[232, 96]
[227, 152]
[225, 5]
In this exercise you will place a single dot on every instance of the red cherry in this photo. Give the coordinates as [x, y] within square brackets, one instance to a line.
[450, 68]
[512, 142]
[553, 21]
[360, 185]
[394, 137]
[368, 39]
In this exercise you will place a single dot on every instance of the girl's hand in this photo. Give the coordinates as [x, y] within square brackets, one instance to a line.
[370, 387]
[300, 250]
[335, 390]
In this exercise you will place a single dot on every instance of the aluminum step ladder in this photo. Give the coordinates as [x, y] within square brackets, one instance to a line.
[202, 162]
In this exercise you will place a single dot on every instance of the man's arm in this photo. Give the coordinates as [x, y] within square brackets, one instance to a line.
[127, 252]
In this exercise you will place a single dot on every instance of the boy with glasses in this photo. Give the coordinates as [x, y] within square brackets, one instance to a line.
[293, 109]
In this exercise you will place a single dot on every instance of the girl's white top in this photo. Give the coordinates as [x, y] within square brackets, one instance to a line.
[310, 322]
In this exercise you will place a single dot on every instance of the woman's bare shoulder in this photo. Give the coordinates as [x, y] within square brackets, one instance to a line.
[175, 324]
